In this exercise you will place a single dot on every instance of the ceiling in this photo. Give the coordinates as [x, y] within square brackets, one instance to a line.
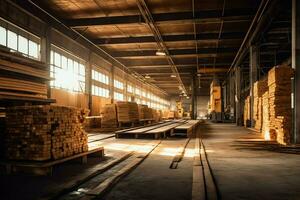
[199, 35]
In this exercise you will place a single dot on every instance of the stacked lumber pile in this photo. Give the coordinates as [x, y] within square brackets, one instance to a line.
[92, 122]
[165, 114]
[260, 87]
[44, 132]
[266, 116]
[127, 111]
[22, 77]
[171, 115]
[144, 112]
[279, 82]
[159, 113]
[155, 115]
[247, 111]
[109, 116]
[215, 97]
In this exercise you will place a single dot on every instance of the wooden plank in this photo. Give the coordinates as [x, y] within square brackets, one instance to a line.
[83, 177]
[112, 180]
[198, 187]
[164, 128]
[144, 130]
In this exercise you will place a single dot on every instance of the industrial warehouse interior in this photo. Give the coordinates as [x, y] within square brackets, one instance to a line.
[150, 99]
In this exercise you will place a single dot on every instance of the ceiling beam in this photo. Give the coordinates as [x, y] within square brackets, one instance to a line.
[175, 52]
[169, 38]
[205, 16]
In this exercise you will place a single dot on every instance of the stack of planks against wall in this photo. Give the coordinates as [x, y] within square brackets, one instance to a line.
[44, 132]
[247, 112]
[260, 87]
[23, 78]
[272, 112]
[279, 83]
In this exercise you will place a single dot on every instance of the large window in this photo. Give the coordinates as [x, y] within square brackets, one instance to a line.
[118, 96]
[67, 71]
[137, 91]
[118, 84]
[20, 41]
[100, 77]
[99, 91]
[129, 88]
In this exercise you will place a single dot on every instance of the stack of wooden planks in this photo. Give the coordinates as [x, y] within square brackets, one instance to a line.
[247, 111]
[127, 112]
[260, 87]
[109, 116]
[215, 97]
[144, 112]
[266, 116]
[155, 115]
[44, 132]
[279, 82]
[23, 78]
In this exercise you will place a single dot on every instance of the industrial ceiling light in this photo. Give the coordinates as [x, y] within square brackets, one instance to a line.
[147, 76]
[160, 53]
[173, 76]
[188, 97]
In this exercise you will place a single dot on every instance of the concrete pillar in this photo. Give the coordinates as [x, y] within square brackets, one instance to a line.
[112, 89]
[45, 53]
[193, 114]
[89, 82]
[232, 93]
[296, 66]
[254, 63]
[238, 112]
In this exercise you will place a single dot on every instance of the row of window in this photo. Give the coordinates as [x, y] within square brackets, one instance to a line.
[118, 84]
[100, 77]
[19, 43]
[67, 71]
[99, 91]
[118, 96]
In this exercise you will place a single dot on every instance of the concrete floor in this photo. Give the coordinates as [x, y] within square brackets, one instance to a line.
[242, 166]
[244, 170]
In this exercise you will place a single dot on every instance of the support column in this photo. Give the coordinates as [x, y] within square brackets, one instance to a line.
[45, 54]
[193, 97]
[238, 116]
[296, 67]
[254, 63]
[232, 94]
[89, 82]
[112, 89]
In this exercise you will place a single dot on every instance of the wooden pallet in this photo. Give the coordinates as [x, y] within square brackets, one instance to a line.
[46, 167]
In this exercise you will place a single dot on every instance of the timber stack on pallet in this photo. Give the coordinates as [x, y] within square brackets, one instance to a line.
[42, 133]
[127, 112]
[23, 78]
[247, 112]
[144, 112]
[260, 87]
[109, 116]
[279, 82]
[155, 115]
